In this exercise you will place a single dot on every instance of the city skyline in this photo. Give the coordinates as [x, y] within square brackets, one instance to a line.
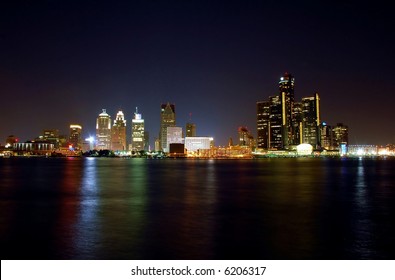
[63, 63]
[129, 129]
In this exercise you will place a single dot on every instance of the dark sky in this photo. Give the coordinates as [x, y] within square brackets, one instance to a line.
[61, 62]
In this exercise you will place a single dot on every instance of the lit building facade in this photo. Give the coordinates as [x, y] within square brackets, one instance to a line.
[297, 123]
[262, 124]
[138, 132]
[245, 137]
[311, 121]
[362, 150]
[167, 119]
[275, 125]
[286, 91]
[190, 130]
[103, 131]
[174, 136]
[193, 144]
[33, 148]
[118, 133]
[75, 138]
[283, 123]
[340, 135]
[51, 136]
[157, 144]
[326, 136]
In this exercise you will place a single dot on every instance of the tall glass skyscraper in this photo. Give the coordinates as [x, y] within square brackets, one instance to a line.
[75, 137]
[103, 131]
[283, 123]
[118, 133]
[286, 91]
[275, 135]
[138, 133]
[311, 121]
[262, 124]
[167, 119]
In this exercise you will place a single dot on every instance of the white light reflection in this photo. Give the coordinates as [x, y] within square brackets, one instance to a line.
[362, 221]
[87, 227]
[361, 184]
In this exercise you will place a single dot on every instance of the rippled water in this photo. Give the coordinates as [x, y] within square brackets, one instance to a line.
[103, 208]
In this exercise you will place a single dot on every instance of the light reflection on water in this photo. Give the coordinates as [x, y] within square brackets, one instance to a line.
[87, 227]
[100, 208]
[363, 222]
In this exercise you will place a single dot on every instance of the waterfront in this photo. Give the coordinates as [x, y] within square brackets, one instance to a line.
[280, 208]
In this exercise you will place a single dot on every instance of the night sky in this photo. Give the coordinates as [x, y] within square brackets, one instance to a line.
[62, 62]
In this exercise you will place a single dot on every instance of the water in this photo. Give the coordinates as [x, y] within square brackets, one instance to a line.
[103, 208]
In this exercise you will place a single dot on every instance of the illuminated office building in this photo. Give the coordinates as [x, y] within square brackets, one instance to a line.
[138, 132]
[75, 138]
[193, 144]
[174, 136]
[167, 119]
[190, 130]
[245, 137]
[286, 92]
[326, 136]
[340, 135]
[51, 136]
[297, 119]
[118, 133]
[103, 131]
[262, 124]
[275, 125]
[283, 123]
[311, 121]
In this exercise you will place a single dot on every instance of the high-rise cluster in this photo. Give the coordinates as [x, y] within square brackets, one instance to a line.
[283, 123]
[114, 137]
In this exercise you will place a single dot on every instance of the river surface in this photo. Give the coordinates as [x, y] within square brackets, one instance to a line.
[277, 209]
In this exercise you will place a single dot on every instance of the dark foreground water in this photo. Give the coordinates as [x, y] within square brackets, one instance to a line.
[303, 208]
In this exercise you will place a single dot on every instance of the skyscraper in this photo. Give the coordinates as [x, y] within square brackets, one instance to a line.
[167, 119]
[275, 135]
[138, 132]
[286, 92]
[118, 133]
[190, 130]
[75, 137]
[103, 131]
[311, 121]
[340, 135]
[326, 135]
[262, 124]
[297, 123]
[283, 123]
